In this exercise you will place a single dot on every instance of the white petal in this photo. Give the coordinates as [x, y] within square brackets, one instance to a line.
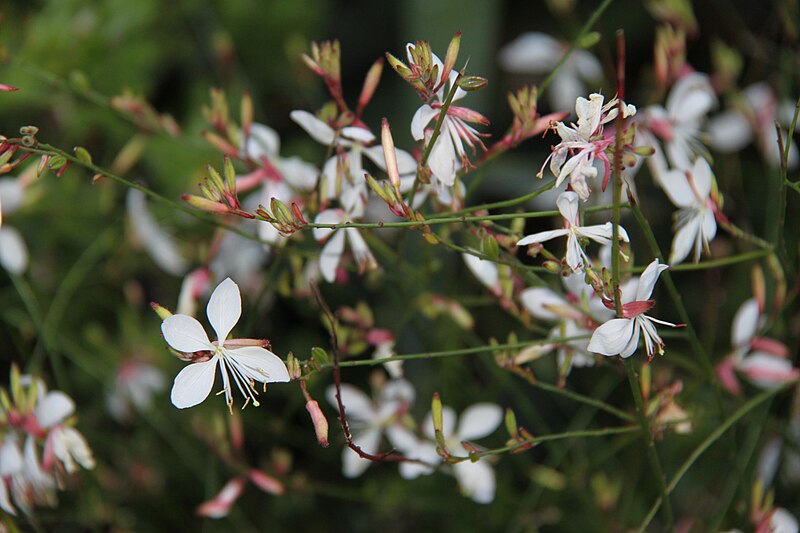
[540, 301]
[357, 404]
[566, 87]
[485, 271]
[298, 173]
[647, 281]
[224, 308]
[11, 195]
[11, 461]
[261, 364]
[331, 255]
[730, 131]
[685, 240]
[745, 323]
[54, 408]
[766, 370]
[5, 503]
[443, 160]
[542, 236]
[369, 441]
[567, 203]
[398, 390]
[530, 52]
[678, 189]
[263, 141]
[361, 135]
[159, 244]
[782, 521]
[361, 252]
[479, 420]
[691, 98]
[476, 480]
[421, 118]
[702, 177]
[13, 252]
[185, 334]
[612, 337]
[318, 130]
[575, 253]
[193, 384]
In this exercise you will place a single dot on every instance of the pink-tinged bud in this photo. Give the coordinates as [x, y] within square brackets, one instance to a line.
[61, 170]
[205, 204]
[727, 376]
[319, 421]
[378, 336]
[389, 154]
[511, 424]
[398, 65]
[221, 504]
[220, 144]
[162, 312]
[450, 58]
[370, 84]
[7, 88]
[759, 287]
[298, 215]
[438, 423]
[771, 346]
[472, 83]
[268, 484]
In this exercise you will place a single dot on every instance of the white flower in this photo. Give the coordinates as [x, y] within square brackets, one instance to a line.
[695, 226]
[755, 116]
[242, 365]
[620, 336]
[576, 258]
[134, 386]
[159, 244]
[334, 244]
[448, 153]
[782, 521]
[476, 480]
[13, 252]
[584, 143]
[486, 271]
[679, 125]
[63, 443]
[536, 52]
[368, 419]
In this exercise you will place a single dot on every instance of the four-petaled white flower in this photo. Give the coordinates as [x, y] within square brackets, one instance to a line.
[576, 258]
[243, 365]
[448, 153]
[695, 226]
[584, 143]
[678, 125]
[63, 444]
[620, 336]
[334, 244]
[476, 479]
[368, 419]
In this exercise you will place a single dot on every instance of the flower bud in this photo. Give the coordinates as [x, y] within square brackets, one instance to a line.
[162, 312]
[266, 483]
[319, 421]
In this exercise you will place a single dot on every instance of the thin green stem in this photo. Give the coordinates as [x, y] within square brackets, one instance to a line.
[588, 400]
[711, 439]
[712, 263]
[559, 436]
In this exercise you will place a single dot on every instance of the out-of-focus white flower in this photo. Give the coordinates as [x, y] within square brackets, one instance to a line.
[384, 340]
[13, 252]
[159, 244]
[368, 419]
[334, 241]
[584, 143]
[134, 386]
[476, 479]
[764, 362]
[242, 364]
[695, 225]
[753, 116]
[620, 336]
[64, 444]
[539, 53]
[486, 271]
[678, 126]
[576, 258]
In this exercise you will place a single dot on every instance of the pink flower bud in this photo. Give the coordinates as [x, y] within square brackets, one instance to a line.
[320, 422]
[221, 504]
[266, 483]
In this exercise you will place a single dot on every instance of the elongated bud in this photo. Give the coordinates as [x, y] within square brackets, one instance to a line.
[221, 504]
[230, 174]
[390, 154]
[162, 312]
[319, 421]
[246, 113]
[320, 355]
[436, 413]
[266, 483]
[370, 84]
[489, 247]
[472, 83]
[398, 65]
[205, 204]
[645, 380]
[511, 424]
[220, 144]
[759, 288]
[451, 57]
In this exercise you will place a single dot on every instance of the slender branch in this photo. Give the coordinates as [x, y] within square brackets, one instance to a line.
[527, 443]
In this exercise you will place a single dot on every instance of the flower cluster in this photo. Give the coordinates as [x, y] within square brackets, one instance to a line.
[34, 423]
